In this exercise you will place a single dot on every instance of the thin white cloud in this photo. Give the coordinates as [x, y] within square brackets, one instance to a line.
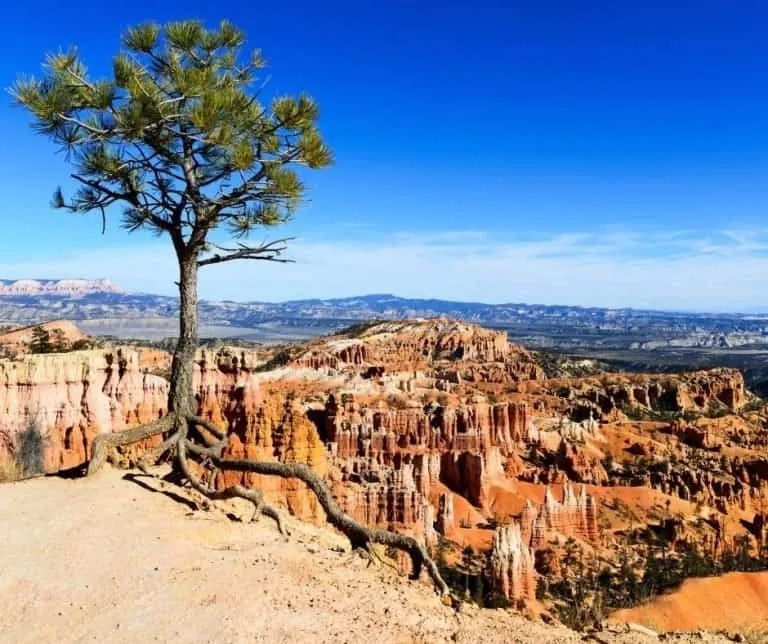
[440, 237]
[724, 270]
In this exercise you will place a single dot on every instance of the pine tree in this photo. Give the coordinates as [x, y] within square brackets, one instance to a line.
[59, 341]
[41, 341]
[182, 137]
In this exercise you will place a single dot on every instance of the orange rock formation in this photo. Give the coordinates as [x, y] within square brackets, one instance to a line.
[511, 567]
[71, 398]
[436, 428]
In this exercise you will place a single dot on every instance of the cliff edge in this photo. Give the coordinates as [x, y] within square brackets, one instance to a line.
[114, 558]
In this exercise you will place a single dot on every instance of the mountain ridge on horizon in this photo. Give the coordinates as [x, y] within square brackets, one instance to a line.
[73, 287]
[102, 309]
[64, 286]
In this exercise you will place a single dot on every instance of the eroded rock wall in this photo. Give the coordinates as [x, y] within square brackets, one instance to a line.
[71, 398]
[574, 516]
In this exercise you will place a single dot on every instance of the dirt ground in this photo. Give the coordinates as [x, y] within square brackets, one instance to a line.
[121, 558]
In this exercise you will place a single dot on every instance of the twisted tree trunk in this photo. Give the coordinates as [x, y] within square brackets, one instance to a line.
[181, 394]
[181, 418]
[181, 391]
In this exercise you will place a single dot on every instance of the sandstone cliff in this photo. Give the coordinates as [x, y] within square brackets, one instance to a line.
[439, 429]
[18, 338]
[574, 516]
[269, 429]
[67, 287]
[511, 566]
[71, 398]
[474, 352]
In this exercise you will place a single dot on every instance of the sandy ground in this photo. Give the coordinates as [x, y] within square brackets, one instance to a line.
[105, 559]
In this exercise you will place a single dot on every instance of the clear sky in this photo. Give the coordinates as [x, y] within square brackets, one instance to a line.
[595, 153]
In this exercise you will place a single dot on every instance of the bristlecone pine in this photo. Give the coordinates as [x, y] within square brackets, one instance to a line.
[180, 137]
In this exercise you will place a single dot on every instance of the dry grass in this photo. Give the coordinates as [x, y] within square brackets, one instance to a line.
[23, 456]
[9, 469]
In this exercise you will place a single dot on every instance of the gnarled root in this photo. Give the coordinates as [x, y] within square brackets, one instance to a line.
[231, 492]
[358, 535]
[103, 443]
[211, 455]
[151, 457]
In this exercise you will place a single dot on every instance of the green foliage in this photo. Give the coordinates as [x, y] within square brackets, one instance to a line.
[579, 598]
[396, 402]
[641, 413]
[756, 404]
[41, 341]
[636, 413]
[44, 341]
[358, 328]
[716, 409]
[181, 135]
[467, 578]
[280, 359]
[59, 341]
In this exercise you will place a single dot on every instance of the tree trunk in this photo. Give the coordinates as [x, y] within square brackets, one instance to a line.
[181, 395]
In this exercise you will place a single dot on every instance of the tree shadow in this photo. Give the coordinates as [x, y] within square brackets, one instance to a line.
[76, 472]
[136, 478]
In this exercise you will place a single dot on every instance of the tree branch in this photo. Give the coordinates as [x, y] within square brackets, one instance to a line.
[128, 197]
[269, 252]
[77, 122]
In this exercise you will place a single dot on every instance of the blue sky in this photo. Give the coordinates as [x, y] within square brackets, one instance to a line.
[595, 153]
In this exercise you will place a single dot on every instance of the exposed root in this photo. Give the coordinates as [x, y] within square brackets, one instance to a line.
[360, 537]
[143, 466]
[197, 420]
[256, 512]
[103, 443]
[231, 492]
[277, 517]
[375, 555]
[150, 458]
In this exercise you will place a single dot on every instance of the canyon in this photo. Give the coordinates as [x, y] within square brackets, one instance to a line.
[446, 431]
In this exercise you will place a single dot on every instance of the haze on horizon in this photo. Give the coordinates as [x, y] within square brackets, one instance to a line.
[608, 156]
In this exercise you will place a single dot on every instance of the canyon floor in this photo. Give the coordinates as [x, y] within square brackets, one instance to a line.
[126, 558]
